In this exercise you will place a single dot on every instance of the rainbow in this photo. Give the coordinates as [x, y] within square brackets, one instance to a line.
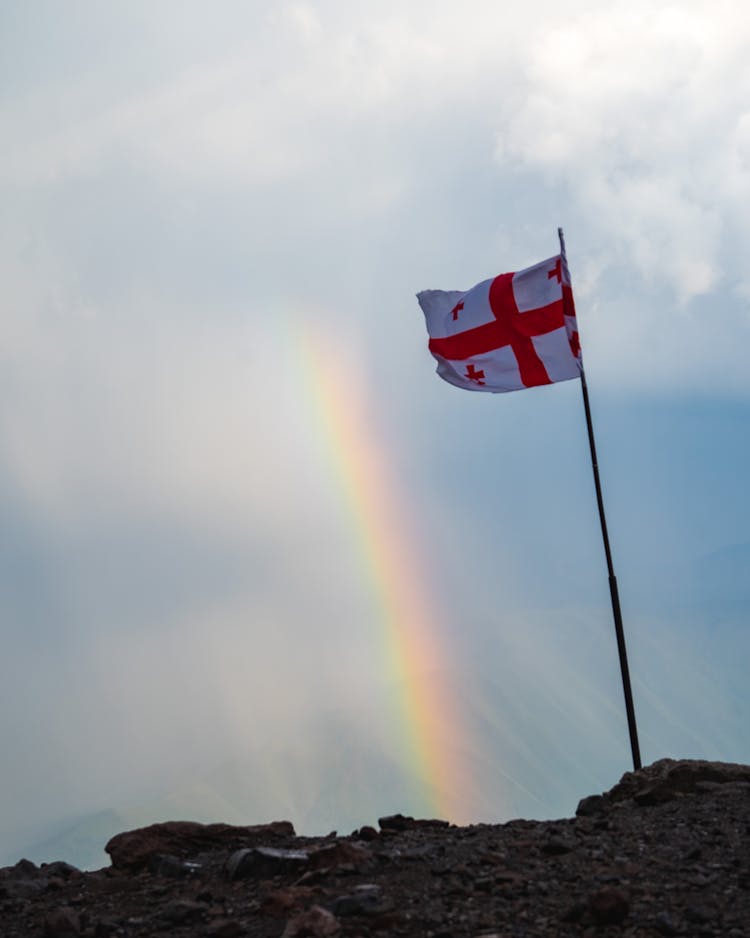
[427, 718]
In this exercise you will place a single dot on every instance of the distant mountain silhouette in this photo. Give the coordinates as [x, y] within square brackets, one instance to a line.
[345, 775]
[537, 734]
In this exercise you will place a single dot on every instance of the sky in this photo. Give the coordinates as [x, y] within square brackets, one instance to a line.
[257, 561]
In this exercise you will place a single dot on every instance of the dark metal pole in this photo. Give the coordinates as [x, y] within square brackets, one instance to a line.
[615, 596]
[621, 650]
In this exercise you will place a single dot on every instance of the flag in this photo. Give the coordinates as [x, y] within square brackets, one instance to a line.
[514, 331]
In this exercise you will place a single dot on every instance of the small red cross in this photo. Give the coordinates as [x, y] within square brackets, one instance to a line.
[473, 375]
[456, 308]
[509, 327]
[556, 271]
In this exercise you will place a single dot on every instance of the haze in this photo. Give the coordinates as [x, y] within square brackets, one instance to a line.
[209, 212]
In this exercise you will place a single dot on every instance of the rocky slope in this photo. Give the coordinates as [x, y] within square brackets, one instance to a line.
[665, 852]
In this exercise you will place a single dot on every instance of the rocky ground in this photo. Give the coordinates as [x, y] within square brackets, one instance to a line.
[665, 852]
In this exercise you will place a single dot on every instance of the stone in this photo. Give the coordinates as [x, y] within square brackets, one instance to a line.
[664, 924]
[262, 862]
[224, 928]
[316, 922]
[61, 923]
[281, 902]
[131, 850]
[61, 869]
[667, 779]
[338, 854]
[609, 905]
[401, 822]
[22, 888]
[699, 914]
[104, 928]
[678, 867]
[395, 822]
[556, 846]
[658, 793]
[182, 911]
[509, 880]
[593, 804]
[366, 899]
[160, 864]
[575, 912]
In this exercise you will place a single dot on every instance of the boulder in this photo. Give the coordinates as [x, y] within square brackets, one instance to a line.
[131, 850]
[664, 781]
[263, 862]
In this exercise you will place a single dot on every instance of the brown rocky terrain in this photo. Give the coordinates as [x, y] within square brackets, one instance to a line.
[665, 852]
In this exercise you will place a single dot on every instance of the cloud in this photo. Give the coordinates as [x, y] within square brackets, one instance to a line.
[187, 195]
[639, 111]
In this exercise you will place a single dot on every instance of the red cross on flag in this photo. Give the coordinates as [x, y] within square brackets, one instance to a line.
[515, 331]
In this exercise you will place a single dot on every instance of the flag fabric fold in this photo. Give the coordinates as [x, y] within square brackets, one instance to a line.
[514, 331]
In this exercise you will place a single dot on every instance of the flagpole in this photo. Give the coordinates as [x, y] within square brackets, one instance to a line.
[613, 592]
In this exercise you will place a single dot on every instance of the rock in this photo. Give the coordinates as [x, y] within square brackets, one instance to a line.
[556, 846]
[281, 902]
[23, 888]
[575, 912]
[365, 900]
[593, 804]
[657, 793]
[664, 925]
[260, 862]
[684, 859]
[160, 864]
[104, 928]
[224, 928]
[667, 779]
[132, 849]
[395, 822]
[340, 854]
[400, 822]
[61, 869]
[62, 923]
[609, 905]
[699, 914]
[22, 881]
[316, 922]
[508, 880]
[183, 911]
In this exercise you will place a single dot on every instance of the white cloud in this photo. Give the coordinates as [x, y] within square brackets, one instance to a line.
[638, 110]
[183, 187]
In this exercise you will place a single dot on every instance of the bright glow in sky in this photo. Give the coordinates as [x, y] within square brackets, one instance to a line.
[205, 572]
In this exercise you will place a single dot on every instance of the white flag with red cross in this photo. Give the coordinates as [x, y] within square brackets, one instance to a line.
[514, 331]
